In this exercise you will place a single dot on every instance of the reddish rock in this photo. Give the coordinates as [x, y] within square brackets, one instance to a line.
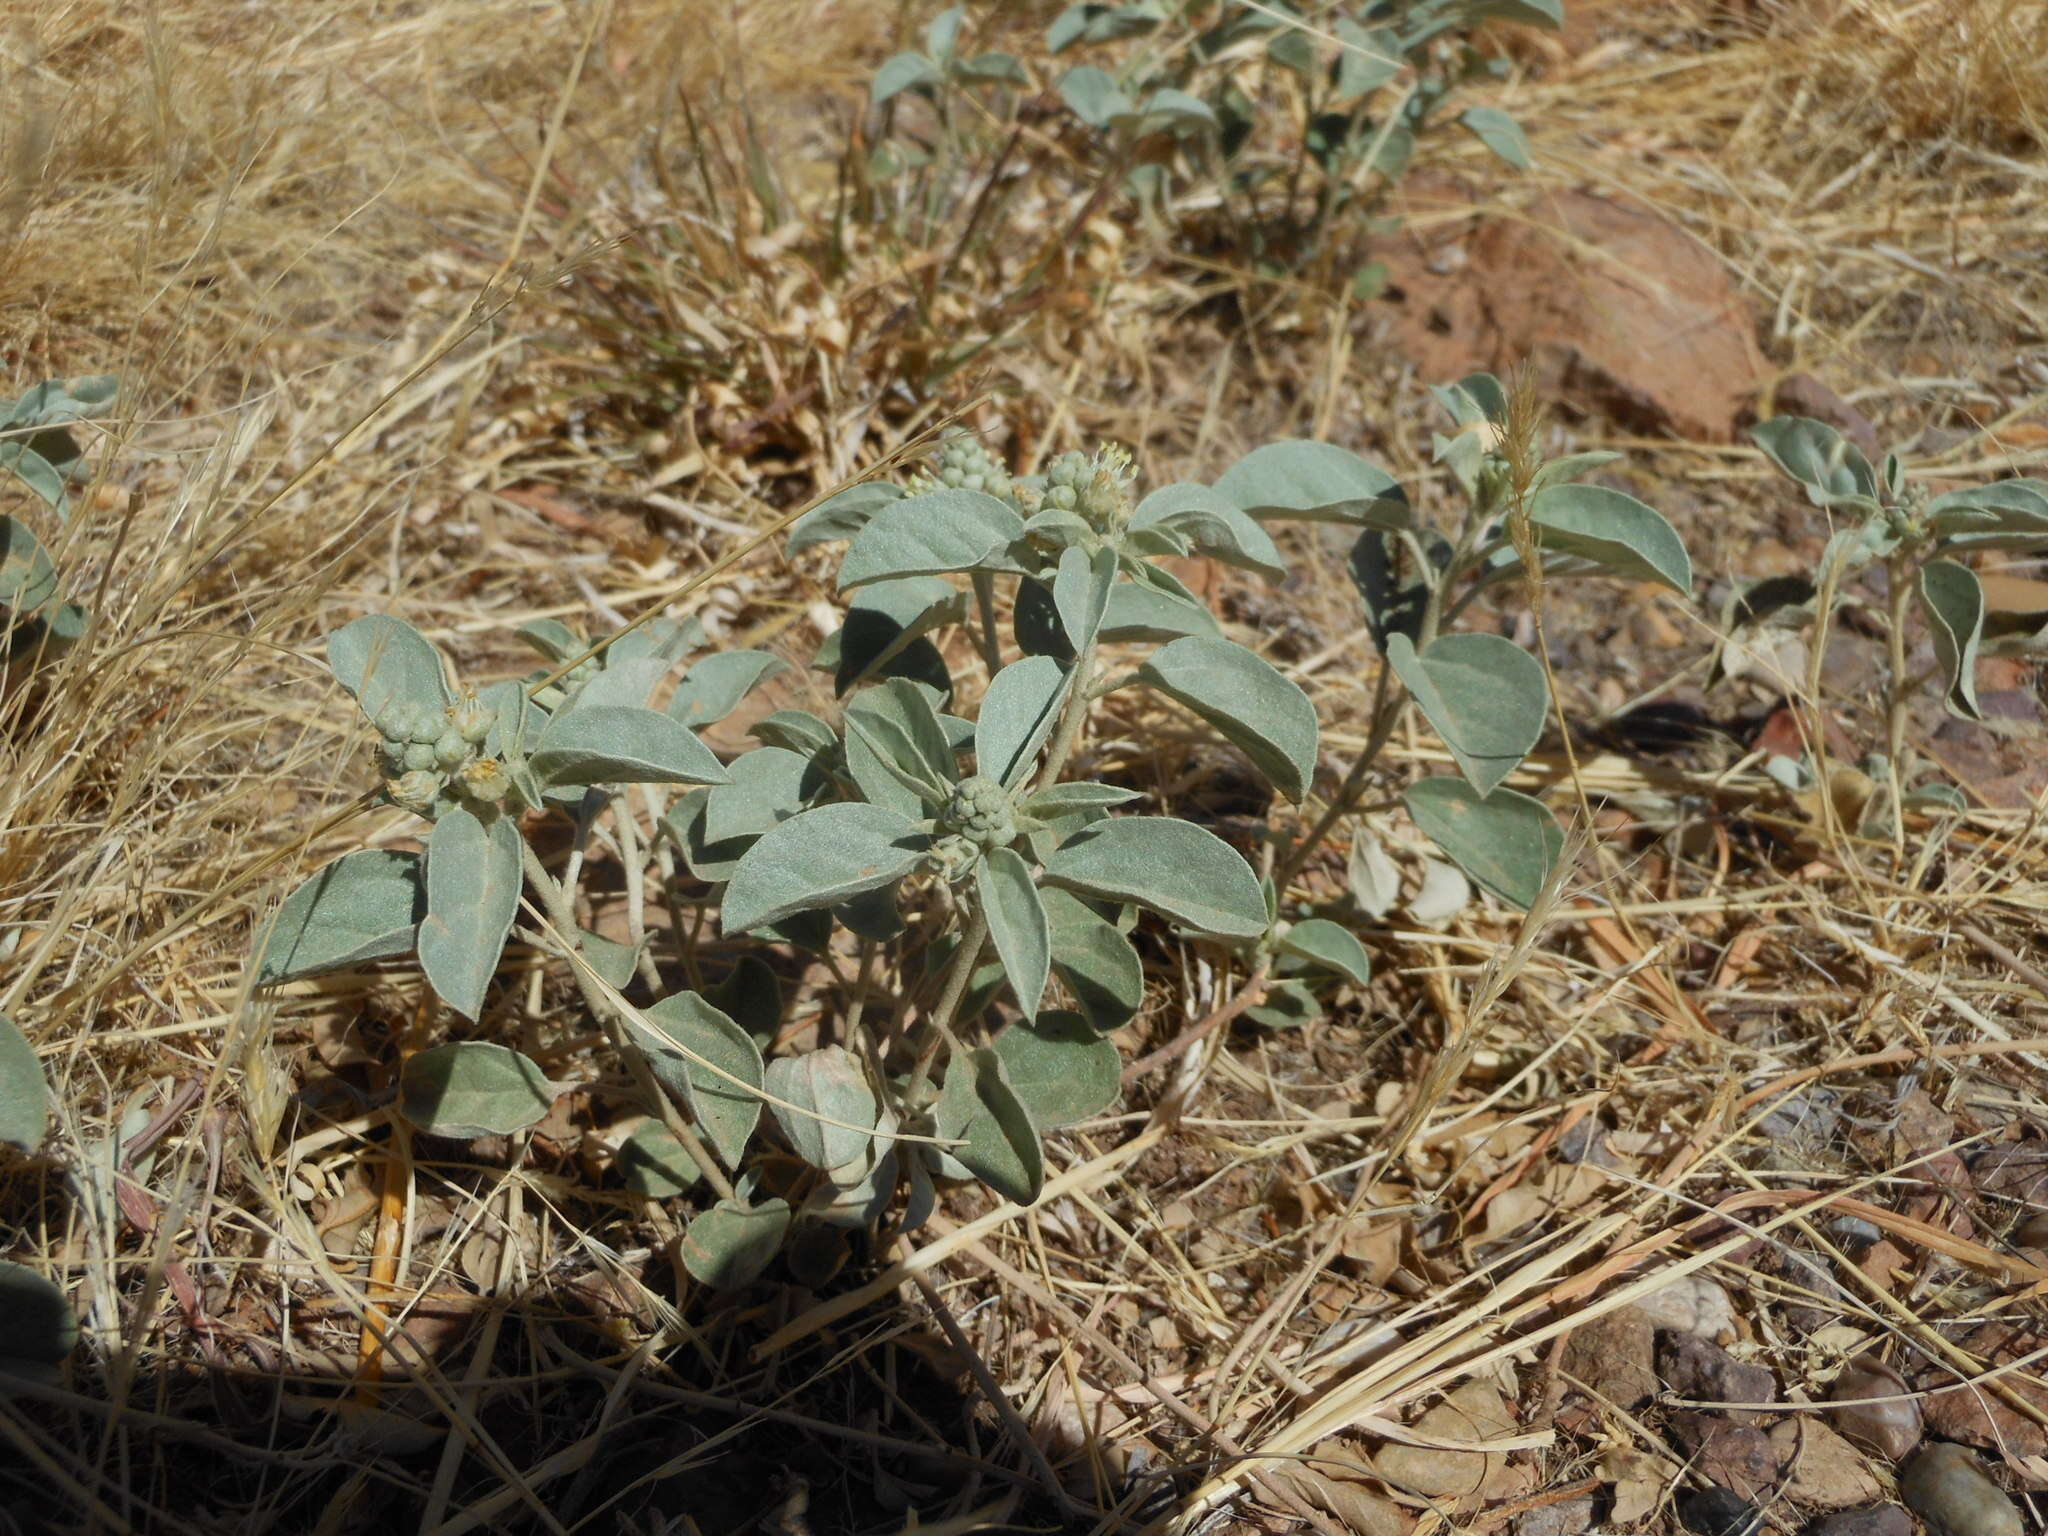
[1697, 1368]
[1615, 307]
[1615, 1355]
[1729, 1455]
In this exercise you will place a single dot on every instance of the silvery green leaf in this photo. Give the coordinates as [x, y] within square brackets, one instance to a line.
[1061, 1070]
[1093, 95]
[1008, 897]
[942, 34]
[1289, 1003]
[896, 749]
[553, 639]
[1259, 711]
[516, 721]
[767, 785]
[1213, 523]
[1094, 961]
[1486, 696]
[1175, 868]
[1612, 530]
[1036, 620]
[1318, 482]
[1147, 609]
[1366, 59]
[710, 861]
[1167, 109]
[1505, 841]
[1017, 715]
[857, 1196]
[615, 744]
[713, 687]
[384, 661]
[905, 72]
[1081, 591]
[731, 1244]
[616, 964]
[1073, 795]
[715, 1069]
[473, 1088]
[1952, 599]
[473, 877]
[1372, 876]
[820, 859]
[1813, 453]
[653, 1163]
[884, 633]
[795, 730]
[1331, 946]
[625, 683]
[999, 1144]
[1571, 467]
[364, 906]
[28, 578]
[2007, 515]
[944, 530]
[1499, 133]
[1394, 604]
[826, 1109]
[871, 915]
[1937, 799]
[1057, 528]
[37, 1328]
[991, 68]
[1546, 14]
[24, 1095]
[1096, 21]
[840, 516]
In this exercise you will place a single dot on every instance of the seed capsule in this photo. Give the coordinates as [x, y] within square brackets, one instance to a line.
[415, 791]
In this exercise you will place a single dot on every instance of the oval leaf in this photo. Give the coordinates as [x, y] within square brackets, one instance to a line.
[731, 1244]
[715, 1069]
[473, 880]
[618, 744]
[948, 530]
[1173, 867]
[1060, 1068]
[37, 1327]
[1612, 530]
[1138, 611]
[24, 1095]
[999, 1144]
[1831, 467]
[1953, 600]
[1499, 133]
[1318, 482]
[384, 661]
[28, 577]
[1259, 711]
[1094, 961]
[1505, 841]
[1016, 921]
[1213, 522]
[364, 906]
[713, 687]
[473, 1088]
[1486, 696]
[653, 1163]
[820, 859]
[826, 1108]
[905, 72]
[1017, 715]
[1081, 592]
[1331, 946]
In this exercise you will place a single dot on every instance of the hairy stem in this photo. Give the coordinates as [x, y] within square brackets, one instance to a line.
[1897, 715]
[940, 1020]
[985, 602]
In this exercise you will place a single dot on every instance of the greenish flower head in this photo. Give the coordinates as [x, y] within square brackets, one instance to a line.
[1098, 490]
[980, 812]
[962, 463]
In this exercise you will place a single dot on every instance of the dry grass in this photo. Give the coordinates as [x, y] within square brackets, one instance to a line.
[478, 312]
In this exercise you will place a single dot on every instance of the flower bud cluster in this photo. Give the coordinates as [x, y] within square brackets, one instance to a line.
[1098, 490]
[963, 464]
[979, 811]
[428, 752]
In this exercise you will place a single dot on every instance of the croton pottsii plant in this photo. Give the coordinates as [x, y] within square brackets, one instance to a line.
[944, 841]
[1175, 100]
[1923, 543]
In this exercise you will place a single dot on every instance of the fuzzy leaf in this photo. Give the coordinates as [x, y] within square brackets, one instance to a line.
[381, 661]
[617, 744]
[364, 906]
[1093, 95]
[820, 859]
[28, 577]
[884, 633]
[840, 516]
[1175, 868]
[1612, 530]
[711, 1051]
[1000, 1145]
[1214, 524]
[24, 1094]
[1143, 611]
[1499, 133]
[1813, 453]
[828, 1111]
[713, 687]
[1017, 715]
[897, 750]
[1331, 946]
[1486, 696]
[1094, 960]
[473, 879]
[1953, 600]
[767, 785]
[1016, 921]
[653, 1163]
[473, 1088]
[1259, 711]
[37, 1327]
[1505, 841]
[946, 530]
[1319, 482]
[905, 72]
[1081, 592]
[731, 1244]
[1060, 1068]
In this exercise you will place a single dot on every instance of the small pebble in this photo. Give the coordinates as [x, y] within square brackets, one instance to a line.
[1718, 1512]
[1948, 1488]
[1877, 1520]
[1891, 1429]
